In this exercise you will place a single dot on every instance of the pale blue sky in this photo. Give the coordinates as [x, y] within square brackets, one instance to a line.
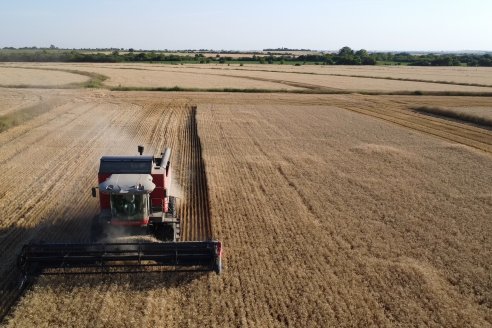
[219, 24]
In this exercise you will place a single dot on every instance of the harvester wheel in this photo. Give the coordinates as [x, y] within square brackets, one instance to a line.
[172, 206]
[218, 265]
[21, 262]
[164, 232]
[96, 229]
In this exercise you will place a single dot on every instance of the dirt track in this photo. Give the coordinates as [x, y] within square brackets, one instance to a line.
[328, 217]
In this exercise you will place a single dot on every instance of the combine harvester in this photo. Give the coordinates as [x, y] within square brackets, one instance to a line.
[135, 203]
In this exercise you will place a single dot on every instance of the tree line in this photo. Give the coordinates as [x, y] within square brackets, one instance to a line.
[345, 56]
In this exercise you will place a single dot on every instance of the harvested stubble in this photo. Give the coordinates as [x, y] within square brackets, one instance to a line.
[280, 77]
[13, 100]
[464, 75]
[18, 77]
[140, 76]
[321, 77]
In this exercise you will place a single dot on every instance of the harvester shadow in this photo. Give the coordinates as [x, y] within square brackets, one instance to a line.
[12, 239]
[132, 282]
[14, 284]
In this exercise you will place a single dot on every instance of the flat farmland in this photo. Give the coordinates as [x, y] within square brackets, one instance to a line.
[147, 76]
[13, 100]
[334, 210]
[33, 77]
[359, 80]
[472, 75]
[275, 78]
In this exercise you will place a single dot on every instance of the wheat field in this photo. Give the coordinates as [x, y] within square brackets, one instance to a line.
[345, 210]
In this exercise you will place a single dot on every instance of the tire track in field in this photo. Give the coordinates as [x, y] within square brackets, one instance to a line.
[194, 211]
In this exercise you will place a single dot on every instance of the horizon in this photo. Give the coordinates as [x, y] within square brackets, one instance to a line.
[249, 51]
[442, 26]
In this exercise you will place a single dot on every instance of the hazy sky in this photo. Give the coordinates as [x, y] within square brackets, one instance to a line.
[247, 25]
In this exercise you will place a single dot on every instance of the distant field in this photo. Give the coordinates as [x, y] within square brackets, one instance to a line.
[276, 77]
[320, 79]
[33, 77]
[151, 77]
[480, 75]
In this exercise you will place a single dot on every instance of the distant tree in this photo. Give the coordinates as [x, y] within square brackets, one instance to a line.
[345, 51]
[131, 50]
[369, 61]
[362, 53]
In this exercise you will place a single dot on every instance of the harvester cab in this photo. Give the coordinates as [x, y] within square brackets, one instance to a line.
[135, 198]
[135, 192]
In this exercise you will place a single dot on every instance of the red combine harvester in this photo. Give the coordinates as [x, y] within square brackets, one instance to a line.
[134, 193]
[135, 200]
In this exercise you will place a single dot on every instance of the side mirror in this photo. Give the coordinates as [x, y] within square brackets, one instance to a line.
[93, 192]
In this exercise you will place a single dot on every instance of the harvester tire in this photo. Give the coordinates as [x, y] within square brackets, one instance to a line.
[218, 265]
[96, 229]
[164, 232]
[172, 206]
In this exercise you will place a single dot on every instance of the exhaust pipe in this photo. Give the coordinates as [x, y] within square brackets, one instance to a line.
[166, 155]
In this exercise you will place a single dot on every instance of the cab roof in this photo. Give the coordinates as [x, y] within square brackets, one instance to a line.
[126, 164]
